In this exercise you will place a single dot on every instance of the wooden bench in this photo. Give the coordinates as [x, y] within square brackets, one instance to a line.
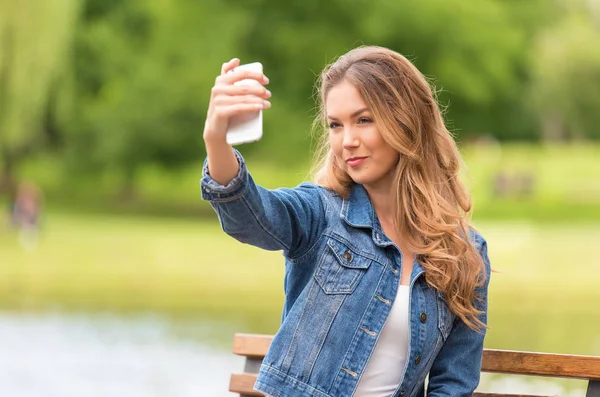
[254, 348]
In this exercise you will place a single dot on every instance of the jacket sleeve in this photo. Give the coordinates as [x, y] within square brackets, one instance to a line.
[281, 219]
[456, 369]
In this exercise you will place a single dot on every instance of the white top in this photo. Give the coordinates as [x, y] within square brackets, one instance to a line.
[385, 368]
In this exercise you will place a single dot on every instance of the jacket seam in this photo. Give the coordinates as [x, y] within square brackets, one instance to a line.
[271, 371]
[233, 192]
[262, 226]
[292, 346]
[333, 315]
[299, 258]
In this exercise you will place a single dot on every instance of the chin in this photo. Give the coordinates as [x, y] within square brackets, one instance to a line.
[368, 178]
[361, 178]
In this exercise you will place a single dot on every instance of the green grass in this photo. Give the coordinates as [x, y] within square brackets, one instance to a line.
[138, 264]
[544, 294]
[544, 291]
[566, 181]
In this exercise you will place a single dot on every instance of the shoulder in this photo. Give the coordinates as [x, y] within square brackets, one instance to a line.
[306, 190]
[312, 191]
[477, 239]
[480, 245]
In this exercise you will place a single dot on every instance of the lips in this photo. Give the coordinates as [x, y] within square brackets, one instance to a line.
[355, 161]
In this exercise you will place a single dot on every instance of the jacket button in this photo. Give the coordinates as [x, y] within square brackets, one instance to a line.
[402, 394]
[423, 317]
[418, 360]
[347, 255]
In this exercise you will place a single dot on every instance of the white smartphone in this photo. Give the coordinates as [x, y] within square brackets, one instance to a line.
[248, 127]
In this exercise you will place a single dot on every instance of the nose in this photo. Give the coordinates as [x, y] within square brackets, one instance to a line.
[350, 139]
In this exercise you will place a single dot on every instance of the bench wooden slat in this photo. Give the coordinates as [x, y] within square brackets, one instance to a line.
[477, 394]
[541, 364]
[251, 345]
[497, 361]
[243, 383]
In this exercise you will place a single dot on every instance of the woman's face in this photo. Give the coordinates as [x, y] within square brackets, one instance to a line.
[355, 140]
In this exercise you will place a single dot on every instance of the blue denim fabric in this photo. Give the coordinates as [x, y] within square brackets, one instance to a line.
[341, 278]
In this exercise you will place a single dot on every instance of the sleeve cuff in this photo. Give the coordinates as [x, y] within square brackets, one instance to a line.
[214, 191]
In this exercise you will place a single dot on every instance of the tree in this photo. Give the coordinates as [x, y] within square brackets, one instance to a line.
[144, 72]
[566, 76]
[35, 38]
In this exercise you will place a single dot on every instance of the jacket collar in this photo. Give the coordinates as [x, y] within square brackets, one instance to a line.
[357, 210]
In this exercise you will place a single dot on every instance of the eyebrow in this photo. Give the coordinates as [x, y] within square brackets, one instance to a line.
[359, 111]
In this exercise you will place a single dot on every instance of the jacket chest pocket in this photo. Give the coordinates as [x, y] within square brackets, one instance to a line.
[340, 268]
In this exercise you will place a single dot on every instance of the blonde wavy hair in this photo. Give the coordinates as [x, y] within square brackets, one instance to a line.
[432, 203]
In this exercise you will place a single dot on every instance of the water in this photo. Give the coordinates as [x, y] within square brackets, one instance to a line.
[59, 356]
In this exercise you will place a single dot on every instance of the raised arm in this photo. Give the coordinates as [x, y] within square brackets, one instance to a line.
[282, 219]
[228, 100]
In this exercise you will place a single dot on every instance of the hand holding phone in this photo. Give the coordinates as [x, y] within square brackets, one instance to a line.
[235, 110]
[247, 127]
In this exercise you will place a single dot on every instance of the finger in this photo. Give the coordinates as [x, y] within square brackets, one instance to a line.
[241, 89]
[241, 108]
[227, 66]
[229, 100]
[238, 75]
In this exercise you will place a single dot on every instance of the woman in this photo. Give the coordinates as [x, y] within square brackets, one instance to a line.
[385, 280]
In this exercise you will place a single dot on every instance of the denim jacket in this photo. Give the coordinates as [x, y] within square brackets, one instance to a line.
[341, 278]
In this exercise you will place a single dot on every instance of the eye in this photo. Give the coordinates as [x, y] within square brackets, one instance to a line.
[363, 120]
[333, 125]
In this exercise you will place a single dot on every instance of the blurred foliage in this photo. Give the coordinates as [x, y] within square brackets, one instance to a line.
[142, 81]
[128, 87]
[567, 95]
[548, 184]
[35, 38]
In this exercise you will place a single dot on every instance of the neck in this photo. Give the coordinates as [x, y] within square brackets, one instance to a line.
[381, 199]
[384, 207]
[381, 196]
